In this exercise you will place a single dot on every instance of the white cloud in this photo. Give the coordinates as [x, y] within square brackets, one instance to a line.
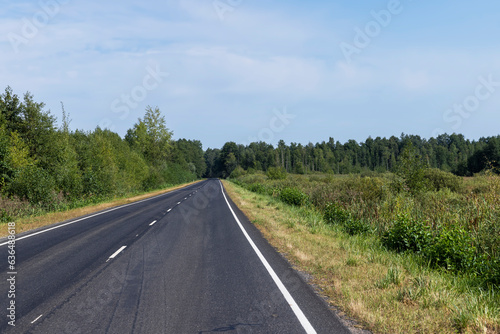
[255, 60]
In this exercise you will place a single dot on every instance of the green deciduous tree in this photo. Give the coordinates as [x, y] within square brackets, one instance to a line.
[151, 137]
[411, 168]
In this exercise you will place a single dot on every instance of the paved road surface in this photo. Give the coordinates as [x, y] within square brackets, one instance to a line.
[184, 262]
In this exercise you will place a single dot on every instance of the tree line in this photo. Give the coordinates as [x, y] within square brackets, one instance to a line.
[452, 153]
[48, 165]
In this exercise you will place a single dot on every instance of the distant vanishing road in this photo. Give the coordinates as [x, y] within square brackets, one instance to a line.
[184, 262]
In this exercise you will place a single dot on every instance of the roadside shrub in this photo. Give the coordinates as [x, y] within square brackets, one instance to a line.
[276, 173]
[260, 189]
[354, 227]
[335, 214]
[153, 180]
[293, 196]
[371, 188]
[438, 179]
[237, 172]
[174, 173]
[406, 235]
[33, 184]
[454, 250]
[490, 270]
[98, 182]
[412, 168]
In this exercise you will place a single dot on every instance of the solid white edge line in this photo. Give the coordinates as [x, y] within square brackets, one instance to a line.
[37, 318]
[116, 253]
[91, 216]
[295, 308]
[154, 221]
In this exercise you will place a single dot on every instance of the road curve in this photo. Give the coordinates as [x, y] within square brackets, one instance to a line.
[183, 262]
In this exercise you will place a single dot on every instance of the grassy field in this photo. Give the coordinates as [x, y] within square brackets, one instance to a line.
[386, 291]
[39, 218]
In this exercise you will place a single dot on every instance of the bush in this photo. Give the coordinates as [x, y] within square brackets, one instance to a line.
[293, 196]
[371, 188]
[451, 248]
[454, 250]
[237, 172]
[407, 235]
[438, 179]
[260, 189]
[354, 227]
[276, 173]
[174, 173]
[335, 214]
[33, 184]
[412, 168]
[153, 180]
[490, 270]
[98, 182]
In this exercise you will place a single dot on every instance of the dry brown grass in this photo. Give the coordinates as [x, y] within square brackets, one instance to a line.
[31, 223]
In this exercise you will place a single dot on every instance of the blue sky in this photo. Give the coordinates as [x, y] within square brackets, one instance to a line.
[245, 70]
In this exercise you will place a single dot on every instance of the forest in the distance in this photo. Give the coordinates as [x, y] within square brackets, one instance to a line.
[48, 166]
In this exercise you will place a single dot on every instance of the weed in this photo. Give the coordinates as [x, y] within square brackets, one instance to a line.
[462, 320]
[352, 262]
[393, 276]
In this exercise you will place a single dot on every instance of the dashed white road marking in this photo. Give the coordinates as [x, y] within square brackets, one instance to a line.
[91, 216]
[154, 221]
[116, 253]
[178, 203]
[37, 318]
[169, 210]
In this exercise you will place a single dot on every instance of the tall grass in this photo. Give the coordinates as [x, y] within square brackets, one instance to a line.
[456, 212]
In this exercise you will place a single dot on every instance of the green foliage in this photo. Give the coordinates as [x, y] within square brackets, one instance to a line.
[406, 155]
[153, 180]
[393, 276]
[260, 189]
[18, 153]
[449, 229]
[189, 153]
[490, 270]
[276, 173]
[411, 168]
[230, 163]
[96, 182]
[174, 173]
[46, 168]
[237, 172]
[407, 235]
[355, 227]
[486, 158]
[64, 167]
[453, 249]
[33, 184]
[438, 179]
[151, 136]
[293, 196]
[335, 214]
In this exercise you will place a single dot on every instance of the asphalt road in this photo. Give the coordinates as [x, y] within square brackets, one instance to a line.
[184, 262]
